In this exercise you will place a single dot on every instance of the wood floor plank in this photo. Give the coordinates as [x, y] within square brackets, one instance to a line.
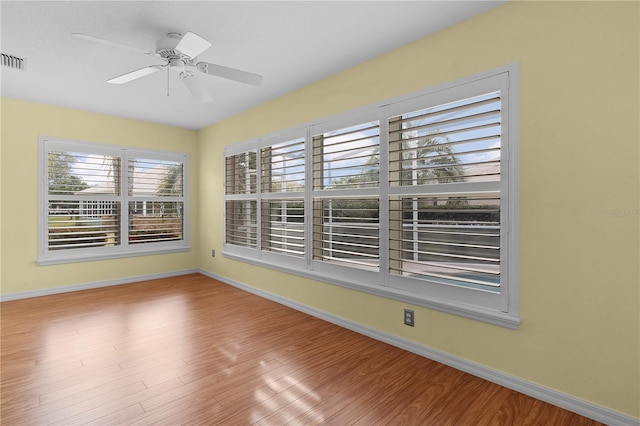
[91, 408]
[407, 402]
[514, 410]
[180, 405]
[106, 414]
[382, 394]
[192, 350]
[120, 416]
[327, 398]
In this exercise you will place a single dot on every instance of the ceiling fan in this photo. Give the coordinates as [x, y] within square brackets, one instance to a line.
[180, 54]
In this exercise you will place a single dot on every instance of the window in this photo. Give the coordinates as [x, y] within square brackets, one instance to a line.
[347, 158]
[447, 231]
[283, 184]
[242, 223]
[100, 201]
[413, 199]
[347, 231]
[242, 211]
[346, 216]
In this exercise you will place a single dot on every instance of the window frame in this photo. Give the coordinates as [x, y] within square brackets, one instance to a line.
[124, 249]
[499, 308]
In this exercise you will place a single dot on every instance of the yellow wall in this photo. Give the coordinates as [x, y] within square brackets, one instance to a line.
[579, 192]
[22, 124]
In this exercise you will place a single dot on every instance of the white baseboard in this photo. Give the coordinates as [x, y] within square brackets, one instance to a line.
[96, 284]
[559, 399]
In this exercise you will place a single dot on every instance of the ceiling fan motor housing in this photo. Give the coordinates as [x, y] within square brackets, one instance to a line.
[166, 46]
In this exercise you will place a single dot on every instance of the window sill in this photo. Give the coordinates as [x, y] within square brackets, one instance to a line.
[464, 310]
[106, 256]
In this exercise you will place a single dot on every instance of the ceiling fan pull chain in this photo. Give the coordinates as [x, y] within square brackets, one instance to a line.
[168, 75]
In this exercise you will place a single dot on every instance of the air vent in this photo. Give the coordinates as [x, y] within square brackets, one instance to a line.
[14, 62]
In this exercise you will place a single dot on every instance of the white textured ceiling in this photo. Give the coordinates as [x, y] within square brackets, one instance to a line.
[290, 43]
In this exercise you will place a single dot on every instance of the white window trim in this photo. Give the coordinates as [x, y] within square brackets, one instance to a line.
[46, 257]
[498, 309]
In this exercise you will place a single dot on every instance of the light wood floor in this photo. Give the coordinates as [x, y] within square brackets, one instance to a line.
[191, 350]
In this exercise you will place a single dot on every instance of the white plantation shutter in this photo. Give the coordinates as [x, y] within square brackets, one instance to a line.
[105, 201]
[347, 158]
[346, 177]
[283, 226]
[347, 231]
[283, 167]
[436, 235]
[283, 219]
[414, 199]
[241, 223]
[447, 239]
[82, 224]
[82, 173]
[241, 207]
[455, 142]
[156, 200]
[83, 205]
[241, 174]
[155, 178]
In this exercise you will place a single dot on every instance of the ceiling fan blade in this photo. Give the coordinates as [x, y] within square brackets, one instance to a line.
[196, 88]
[230, 73]
[125, 78]
[192, 45]
[111, 43]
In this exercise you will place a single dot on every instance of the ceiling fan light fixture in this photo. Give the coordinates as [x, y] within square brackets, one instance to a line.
[202, 67]
[197, 89]
[176, 64]
[186, 74]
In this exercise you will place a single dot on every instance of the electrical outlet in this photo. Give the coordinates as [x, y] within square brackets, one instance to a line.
[213, 252]
[408, 317]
